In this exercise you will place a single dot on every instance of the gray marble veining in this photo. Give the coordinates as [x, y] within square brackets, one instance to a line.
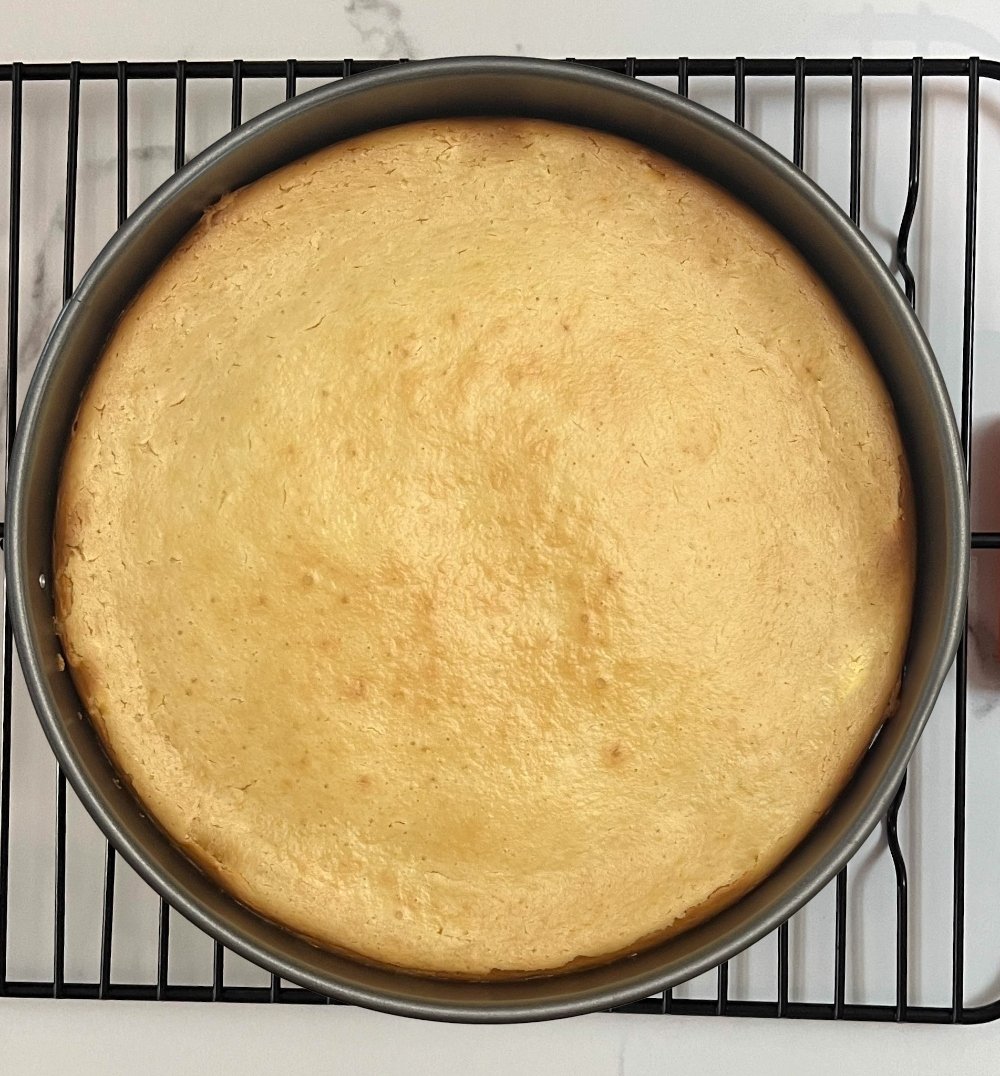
[379, 25]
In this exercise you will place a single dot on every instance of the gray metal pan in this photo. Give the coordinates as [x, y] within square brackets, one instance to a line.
[570, 93]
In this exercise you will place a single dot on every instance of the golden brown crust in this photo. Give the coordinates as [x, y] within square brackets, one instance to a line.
[483, 544]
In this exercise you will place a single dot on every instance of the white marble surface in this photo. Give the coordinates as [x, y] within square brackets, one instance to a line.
[42, 1036]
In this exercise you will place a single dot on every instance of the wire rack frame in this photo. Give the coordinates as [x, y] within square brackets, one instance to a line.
[970, 71]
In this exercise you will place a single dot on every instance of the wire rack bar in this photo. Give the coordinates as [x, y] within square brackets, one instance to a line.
[910, 286]
[121, 207]
[740, 101]
[644, 68]
[290, 995]
[72, 153]
[840, 936]
[13, 299]
[962, 677]
[236, 112]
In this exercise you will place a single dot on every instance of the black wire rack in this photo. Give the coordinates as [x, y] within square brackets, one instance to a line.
[965, 74]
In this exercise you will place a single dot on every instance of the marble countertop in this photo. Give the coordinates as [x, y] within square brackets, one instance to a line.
[43, 1036]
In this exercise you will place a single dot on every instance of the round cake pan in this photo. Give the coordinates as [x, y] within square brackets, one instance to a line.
[502, 86]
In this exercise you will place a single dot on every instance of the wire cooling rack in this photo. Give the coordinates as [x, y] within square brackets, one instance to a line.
[907, 931]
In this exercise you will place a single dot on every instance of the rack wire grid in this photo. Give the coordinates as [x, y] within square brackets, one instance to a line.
[907, 931]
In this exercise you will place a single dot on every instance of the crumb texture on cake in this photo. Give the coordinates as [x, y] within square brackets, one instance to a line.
[482, 542]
